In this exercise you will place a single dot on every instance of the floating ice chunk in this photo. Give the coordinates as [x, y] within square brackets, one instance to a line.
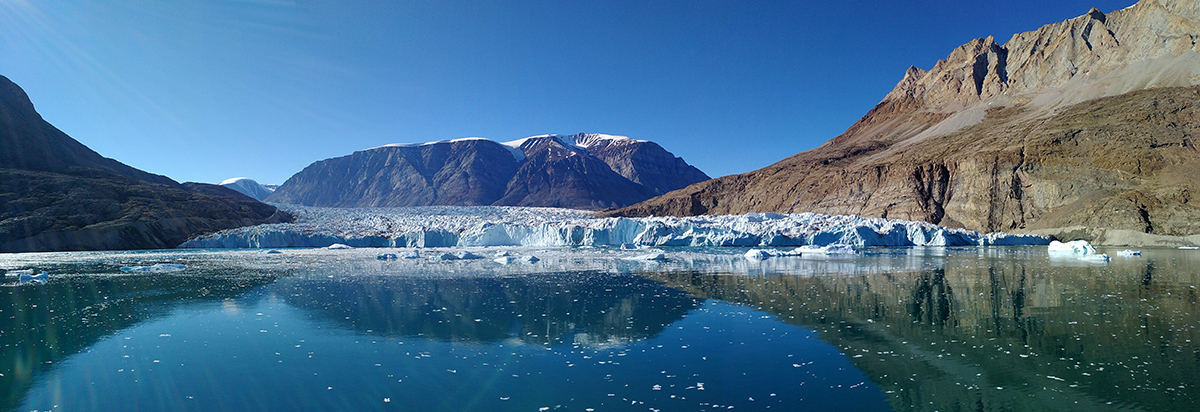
[412, 254]
[30, 277]
[834, 249]
[444, 256]
[19, 272]
[1129, 253]
[467, 256]
[628, 246]
[649, 256]
[763, 254]
[269, 252]
[340, 246]
[386, 256]
[160, 267]
[1079, 247]
[531, 259]
[502, 253]
[1189, 247]
[504, 260]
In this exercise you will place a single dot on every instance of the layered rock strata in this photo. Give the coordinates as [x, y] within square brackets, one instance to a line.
[1088, 123]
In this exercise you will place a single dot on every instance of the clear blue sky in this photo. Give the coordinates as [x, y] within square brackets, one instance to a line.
[212, 89]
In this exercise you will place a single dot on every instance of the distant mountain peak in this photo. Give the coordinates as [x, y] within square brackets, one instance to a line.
[585, 170]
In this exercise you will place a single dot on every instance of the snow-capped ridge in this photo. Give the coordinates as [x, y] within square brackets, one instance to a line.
[248, 187]
[581, 141]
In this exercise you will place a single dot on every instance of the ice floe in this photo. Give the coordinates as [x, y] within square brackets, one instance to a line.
[454, 226]
[1080, 249]
[1129, 253]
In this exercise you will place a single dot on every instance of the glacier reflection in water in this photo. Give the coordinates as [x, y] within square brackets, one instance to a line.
[909, 329]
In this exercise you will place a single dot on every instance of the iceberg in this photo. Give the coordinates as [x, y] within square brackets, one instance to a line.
[1129, 253]
[1080, 249]
[340, 246]
[483, 226]
[386, 256]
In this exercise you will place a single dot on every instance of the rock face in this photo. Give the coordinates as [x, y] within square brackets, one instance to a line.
[56, 194]
[1085, 123]
[588, 171]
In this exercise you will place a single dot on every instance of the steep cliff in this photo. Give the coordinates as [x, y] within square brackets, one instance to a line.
[1086, 123]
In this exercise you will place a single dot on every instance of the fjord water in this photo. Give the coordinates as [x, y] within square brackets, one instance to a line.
[905, 329]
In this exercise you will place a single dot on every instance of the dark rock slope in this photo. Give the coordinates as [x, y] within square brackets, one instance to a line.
[588, 171]
[1087, 123]
[56, 194]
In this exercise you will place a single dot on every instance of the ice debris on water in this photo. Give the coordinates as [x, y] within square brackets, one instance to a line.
[474, 226]
[339, 246]
[502, 253]
[628, 246]
[386, 256]
[764, 254]
[19, 272]
[158, 267]
[467, 256]
[444, 256]
[1080, 249]
[504, 260]
[269, 252]
[834, 249]
[649, 256]
[1129, 253]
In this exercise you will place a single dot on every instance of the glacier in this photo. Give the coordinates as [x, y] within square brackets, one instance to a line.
[474, 226]
[248, 187]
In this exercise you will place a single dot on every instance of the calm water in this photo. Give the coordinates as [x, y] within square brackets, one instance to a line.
[905, 329]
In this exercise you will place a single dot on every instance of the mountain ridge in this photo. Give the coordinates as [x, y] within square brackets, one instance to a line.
[972, 142]
[589, 171]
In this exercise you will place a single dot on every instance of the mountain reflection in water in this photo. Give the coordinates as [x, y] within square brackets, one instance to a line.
[908, 329]
[999, 332]
[584, 308]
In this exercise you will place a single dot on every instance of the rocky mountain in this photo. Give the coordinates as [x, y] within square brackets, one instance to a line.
[56, 194]
[586, 171]
[248, 187]
[1080, 129]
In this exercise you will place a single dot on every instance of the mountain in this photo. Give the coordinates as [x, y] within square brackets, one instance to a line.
[1084, 129]
[56, 194]
[586, 171]
[248, 187]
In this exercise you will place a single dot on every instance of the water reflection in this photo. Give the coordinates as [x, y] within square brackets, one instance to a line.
[988, 332]
[44, 324]
[588, 308]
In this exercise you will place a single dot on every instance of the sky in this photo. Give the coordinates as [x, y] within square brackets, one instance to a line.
[204, 90]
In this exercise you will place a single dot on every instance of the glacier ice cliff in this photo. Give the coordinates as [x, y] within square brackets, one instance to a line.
[456, 226]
